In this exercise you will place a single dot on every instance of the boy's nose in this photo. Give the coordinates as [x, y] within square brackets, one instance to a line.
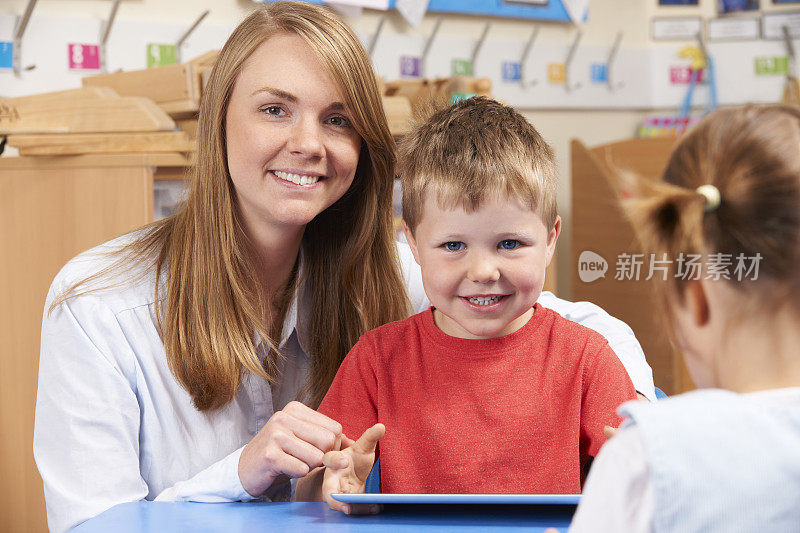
[483, 270]
[305, 138]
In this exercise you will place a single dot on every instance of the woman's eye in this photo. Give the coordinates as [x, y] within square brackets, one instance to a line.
[339, 122]
[454, 246]
[273, 110]
[509, 244]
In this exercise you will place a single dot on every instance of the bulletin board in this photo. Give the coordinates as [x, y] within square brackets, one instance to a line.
[552, 10]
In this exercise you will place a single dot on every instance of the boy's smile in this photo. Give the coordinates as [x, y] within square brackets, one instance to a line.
[484, 269]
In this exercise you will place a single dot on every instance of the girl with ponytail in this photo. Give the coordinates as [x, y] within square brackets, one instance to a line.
[724, 458]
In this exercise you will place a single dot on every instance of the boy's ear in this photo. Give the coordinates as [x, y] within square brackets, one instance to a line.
[552, 238]
[411, 241]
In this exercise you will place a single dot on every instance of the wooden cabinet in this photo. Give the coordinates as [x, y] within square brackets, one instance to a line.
[52, 208]
[598, 225]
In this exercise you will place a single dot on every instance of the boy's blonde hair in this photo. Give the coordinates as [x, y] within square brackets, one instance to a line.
[474, 149]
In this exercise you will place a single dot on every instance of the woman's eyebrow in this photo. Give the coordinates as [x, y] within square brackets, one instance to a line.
[335, 106]
[277, 92]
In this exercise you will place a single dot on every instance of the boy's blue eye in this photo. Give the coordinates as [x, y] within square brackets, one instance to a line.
[509, 244]
[454, 246]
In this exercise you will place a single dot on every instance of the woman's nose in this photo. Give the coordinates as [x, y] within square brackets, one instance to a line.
[305, 139]
[483, 269]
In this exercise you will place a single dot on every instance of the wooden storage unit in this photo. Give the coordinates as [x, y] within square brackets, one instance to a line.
[598, 225]
[52, 208]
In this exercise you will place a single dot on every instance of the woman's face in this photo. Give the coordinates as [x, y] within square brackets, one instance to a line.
[292, 151]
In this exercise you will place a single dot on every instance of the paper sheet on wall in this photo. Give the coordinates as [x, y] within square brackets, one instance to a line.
[576, 9]
[346, 9]
[371, 4]
[412, 10]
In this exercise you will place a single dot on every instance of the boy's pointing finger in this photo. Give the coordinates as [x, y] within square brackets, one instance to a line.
[366, 443]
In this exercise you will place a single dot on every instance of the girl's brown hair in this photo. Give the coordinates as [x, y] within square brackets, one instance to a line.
[751, 155]
[209, 310]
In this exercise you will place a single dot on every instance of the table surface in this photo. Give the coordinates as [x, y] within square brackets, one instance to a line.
[304, 516]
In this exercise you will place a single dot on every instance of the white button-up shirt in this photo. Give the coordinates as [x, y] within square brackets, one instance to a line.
[113, 425]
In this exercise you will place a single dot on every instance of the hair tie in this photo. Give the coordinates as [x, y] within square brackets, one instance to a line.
[712, 196]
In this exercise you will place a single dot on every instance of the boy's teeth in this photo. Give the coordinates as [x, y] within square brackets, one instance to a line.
[484, 300]
[296, 178]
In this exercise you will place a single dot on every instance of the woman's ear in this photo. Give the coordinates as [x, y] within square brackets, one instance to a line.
[411, 241]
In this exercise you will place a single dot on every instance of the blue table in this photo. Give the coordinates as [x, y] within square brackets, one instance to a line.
[301, 516]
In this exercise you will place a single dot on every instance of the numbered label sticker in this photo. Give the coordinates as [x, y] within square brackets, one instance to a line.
[83, 56]
[512, 71]
[599, 73]
[556, 72]
[6, 54]
[461, 67]
[160, 54]
[410, 67]
[772, 66]
[682, 75]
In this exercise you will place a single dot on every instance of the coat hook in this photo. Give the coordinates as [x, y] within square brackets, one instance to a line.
[479, 45]
[186, 34]
[612, 56]
[523, 69]
[373, 42]
[429, 43]
[105, 31]
[19, 30]
[568, 61]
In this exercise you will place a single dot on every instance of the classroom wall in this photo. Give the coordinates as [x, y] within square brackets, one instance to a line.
[558, 126]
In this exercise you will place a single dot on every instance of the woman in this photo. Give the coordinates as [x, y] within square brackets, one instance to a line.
[171, 357]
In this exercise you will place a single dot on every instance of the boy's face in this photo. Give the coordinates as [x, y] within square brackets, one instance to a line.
[482, 270]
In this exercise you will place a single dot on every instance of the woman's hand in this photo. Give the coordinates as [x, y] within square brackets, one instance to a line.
[346, 471]
[291, 443]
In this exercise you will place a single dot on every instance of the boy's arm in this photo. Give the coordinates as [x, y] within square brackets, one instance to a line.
[606, 386]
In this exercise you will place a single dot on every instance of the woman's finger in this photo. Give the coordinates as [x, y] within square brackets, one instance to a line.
[289, 465]
[335, 460]
[318, 436]
[306, 452]
[307, 414]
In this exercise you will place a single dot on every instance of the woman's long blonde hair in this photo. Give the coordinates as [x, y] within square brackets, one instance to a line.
[210, 311]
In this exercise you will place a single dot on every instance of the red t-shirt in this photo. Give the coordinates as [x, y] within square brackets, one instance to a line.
[519, 414]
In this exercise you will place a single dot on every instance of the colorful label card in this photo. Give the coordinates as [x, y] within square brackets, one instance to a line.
[160, 54]
[512, 71]
[599, 73]
[556, 73]
[682, 75]
[410, 67]
[83, 56]
[6, 54]
[772, 66]
[457, 97]
[461, 67]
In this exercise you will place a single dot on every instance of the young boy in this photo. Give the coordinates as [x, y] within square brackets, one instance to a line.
[487, 391]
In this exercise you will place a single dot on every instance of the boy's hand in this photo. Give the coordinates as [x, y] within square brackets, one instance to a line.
[346, 471]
